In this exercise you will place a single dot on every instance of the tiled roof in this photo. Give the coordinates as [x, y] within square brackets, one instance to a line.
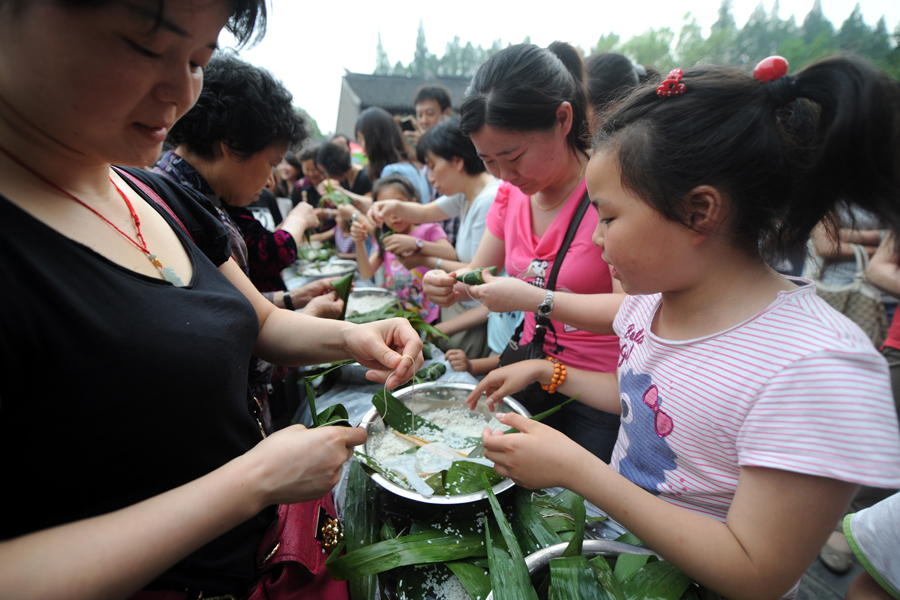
[395, 94]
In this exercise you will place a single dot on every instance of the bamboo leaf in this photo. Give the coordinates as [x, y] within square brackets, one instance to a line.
[532, 530]
[571, 578]
[311, 398]
[628, 564]
[576, 505]
[656, 580]
[427, 547]
[396, 415]
[509, 574]
[607, 578]
[464, 477]
[629, 538]
[342, 286]
[334, 415]
[361, 525]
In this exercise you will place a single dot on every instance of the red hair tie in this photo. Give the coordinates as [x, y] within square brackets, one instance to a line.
[672, 85]
[782, 87]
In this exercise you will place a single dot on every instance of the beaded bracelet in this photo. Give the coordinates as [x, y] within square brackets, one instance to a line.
[559, 376]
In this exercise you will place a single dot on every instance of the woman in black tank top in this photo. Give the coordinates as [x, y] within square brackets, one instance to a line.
[129, 454]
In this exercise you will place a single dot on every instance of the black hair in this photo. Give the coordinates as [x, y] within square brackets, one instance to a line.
[291, 159]
[398, 181]
[609, 76]
[248, 17]
[520, 87]
[784, 169]
[446, 140]
[340, 135]
[384, 140]
[334, 160]
[241, 105]
[433, 91]
[309, 153]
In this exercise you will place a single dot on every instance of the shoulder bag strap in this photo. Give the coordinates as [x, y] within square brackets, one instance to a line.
[564, 249]
[147, 191]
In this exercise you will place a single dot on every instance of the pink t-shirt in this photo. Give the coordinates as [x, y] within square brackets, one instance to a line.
[583, 271]
[409, 283]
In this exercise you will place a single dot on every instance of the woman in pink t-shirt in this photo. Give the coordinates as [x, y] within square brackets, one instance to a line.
[526, 113]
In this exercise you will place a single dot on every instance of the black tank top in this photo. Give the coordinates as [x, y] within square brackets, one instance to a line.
[115, 386]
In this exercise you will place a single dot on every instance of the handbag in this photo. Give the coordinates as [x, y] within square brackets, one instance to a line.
[858, 300]
[516, 351]
[290, 561]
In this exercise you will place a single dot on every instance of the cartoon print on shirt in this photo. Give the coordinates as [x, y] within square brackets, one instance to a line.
[648, 455]
[539, 270]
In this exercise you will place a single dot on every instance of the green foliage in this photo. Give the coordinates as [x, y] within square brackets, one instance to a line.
[764, 34]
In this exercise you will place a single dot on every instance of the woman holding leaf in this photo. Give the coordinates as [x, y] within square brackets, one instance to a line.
[144, 423]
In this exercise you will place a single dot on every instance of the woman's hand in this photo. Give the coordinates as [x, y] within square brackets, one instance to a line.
[386, 346]
[381, 210]
[537, 457]
[303, 295]
[460, 362]
[335, 186]
[438, 286]
[400, 244]
[327, 306]
[507, 294]
[304, 464]
[510, 379]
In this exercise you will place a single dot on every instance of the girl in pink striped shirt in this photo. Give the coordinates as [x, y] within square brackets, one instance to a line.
[751, 410]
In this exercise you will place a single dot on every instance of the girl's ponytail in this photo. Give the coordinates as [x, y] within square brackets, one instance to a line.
[854, 153]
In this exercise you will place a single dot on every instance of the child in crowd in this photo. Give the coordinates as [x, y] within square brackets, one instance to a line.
[874, 536]
[751, 410]
[406, 239]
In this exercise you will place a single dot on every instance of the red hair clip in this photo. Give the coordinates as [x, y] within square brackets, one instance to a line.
[770, 69]
[672, 85]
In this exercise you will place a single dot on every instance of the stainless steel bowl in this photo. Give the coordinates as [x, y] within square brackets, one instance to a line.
[336, 268]
[364, 292]
[539, 561]
[432, 396]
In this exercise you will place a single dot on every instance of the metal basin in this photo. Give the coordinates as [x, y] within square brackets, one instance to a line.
[333, 268]
[369, 292]
[538, 562]
[432, 396]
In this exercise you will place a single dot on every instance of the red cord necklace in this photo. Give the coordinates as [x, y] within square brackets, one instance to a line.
[167, 272]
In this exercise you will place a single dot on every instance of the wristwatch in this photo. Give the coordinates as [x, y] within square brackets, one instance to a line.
[546, 307]
[420, 243]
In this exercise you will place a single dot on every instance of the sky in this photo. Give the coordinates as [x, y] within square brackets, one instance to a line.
[309, 44]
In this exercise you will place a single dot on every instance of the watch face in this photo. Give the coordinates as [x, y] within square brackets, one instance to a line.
[420, 244]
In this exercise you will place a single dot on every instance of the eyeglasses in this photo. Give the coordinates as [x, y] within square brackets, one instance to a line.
[663, 422]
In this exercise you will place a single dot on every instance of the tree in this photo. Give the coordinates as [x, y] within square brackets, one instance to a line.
[691, 47]
[725, 22]
[606, 43]
[815, 24]
[855, 36]
[382, 64]
[653, 48]
[314, 132]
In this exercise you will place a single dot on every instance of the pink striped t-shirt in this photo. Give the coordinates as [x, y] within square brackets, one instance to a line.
[798, 387]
